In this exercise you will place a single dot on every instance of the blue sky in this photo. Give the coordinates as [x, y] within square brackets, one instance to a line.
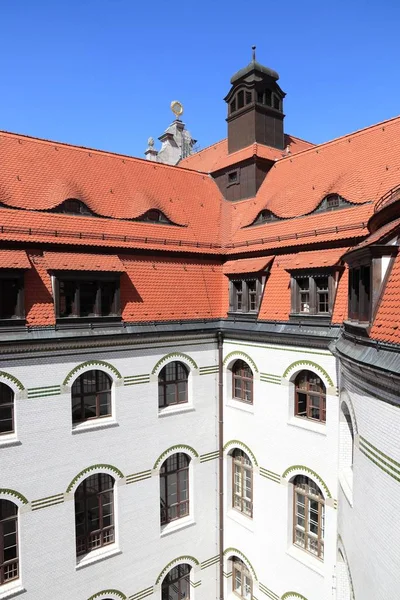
[102, 73]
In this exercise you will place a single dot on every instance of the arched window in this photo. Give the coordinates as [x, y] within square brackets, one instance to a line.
[8, 541]
[173, 384]
[174, 488]
[176, 585]
[309, 516]
[242, 483]
[91, 396]
[6, 409]
[94, 513]
[242, 583]
[310, 397]
[242, 382]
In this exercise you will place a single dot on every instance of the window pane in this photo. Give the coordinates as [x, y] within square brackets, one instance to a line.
[9, 298]
[88, 295]
[67, 292]
[89, 407]
[6, 420]
[301, 404]
[104, 404]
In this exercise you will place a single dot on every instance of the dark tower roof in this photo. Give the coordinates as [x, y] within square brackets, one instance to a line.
[254, 66]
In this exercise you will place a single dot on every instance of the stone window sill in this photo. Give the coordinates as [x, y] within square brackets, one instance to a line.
[8, 440]
[308, 425]
[177, 525]
[12, 589]
[97, 556]
[103, 423]
[239, 405]
[241, 519]
[315, 564]
[176, 409]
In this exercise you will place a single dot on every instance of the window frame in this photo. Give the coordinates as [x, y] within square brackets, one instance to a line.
[238, 566]
[230, 173]
[241, 464]
[309, 393]
[164, 383]
[313, 292]
[8, 405]
[82, 394]
[177, 582]
[102, 530]
[19, 312]
[165, 475]
[239, 287]
[360, 294]
[237, 375]
[4, 564]
[362, 306]
[320, 500]
[79, 278]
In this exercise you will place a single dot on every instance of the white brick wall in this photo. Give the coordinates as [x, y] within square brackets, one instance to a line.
[49, 455]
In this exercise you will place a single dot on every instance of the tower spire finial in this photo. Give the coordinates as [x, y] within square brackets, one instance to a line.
[254, 53]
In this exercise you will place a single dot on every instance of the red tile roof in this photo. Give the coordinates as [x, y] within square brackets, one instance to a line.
[276, 298]
[159, 289]
[79, 261]
[14, 259]
[360, 167]
[315, 258]
[216, 157]
[386, 232]
[39, 175]
[247, 265]
[311, 229]
[386, 326]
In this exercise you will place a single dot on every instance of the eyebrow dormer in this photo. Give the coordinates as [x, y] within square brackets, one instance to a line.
[155, 216]
[264, 216]
[72, 206]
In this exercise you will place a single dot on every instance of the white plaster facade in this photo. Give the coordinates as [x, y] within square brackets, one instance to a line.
[43, 460]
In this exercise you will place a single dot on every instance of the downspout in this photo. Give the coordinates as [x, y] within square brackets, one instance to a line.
[221, 462]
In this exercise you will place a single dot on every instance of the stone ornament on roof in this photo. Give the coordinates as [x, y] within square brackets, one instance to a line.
[176, 141]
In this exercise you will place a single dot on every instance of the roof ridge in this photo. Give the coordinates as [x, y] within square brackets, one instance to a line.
[97, 151]
[340, 138]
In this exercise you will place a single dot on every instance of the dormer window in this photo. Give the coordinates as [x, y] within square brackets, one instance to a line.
[265, 216]
[155, 216]
[87, 295]
[246, 294]
[332, 202]
[312, 293]
[360, 293]
[73, 207]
